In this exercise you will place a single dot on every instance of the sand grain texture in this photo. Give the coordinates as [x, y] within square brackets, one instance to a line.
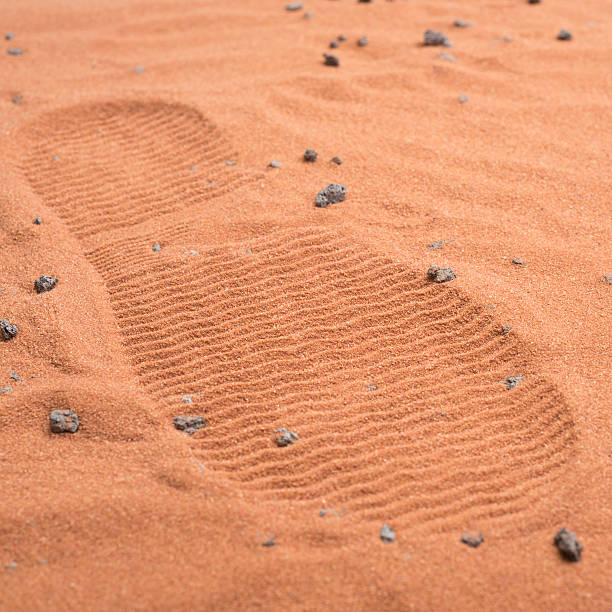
[260, 311]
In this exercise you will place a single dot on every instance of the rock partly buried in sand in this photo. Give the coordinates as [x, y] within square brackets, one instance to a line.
[441, 275]
[338, 160]
[387, 534]
[608, 279]
[8, 329]
[286, 438]
[334, 44]
[45, 283]
[156, 247]
[568, 545]
[63, 421]
[461, 23]
[512, 381]
[432, 38]
[463, 98]
[37, 221]
[269, 542]
[564, 35]
[331, 60]
[14, 51]
[189, 423]
[310, 155]
[518, 262]
[363, 41]
[294, 6]
[332, 194]
[472, 539]
[506, 329]
[275, 164]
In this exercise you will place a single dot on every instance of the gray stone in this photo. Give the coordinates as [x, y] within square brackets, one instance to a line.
[332, 194]
[568, 545]
[45, 283]
[387, 534]
[14, 51]
[334, 44]
[331, 60]
[310, 155]
[518, 262]
[63, 421]
[9, 36]
[564, 35]
[189, 423]
[156, 247]
[37, 221]
[608, 279]
[463, 98]
[506, 329]
[17, 98]
[9, 330]
[337, 160]
[363, 41]
[472, 539]
[441, 275]
[432, 38]
[461, 23]
[275, 164]
[512, 381]
[286, 438]
[294, 6]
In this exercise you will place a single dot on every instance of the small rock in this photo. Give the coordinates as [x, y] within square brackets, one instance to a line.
[286, 438]
[363, 41]
[270, 541]
[608, 279]
[342, 38]
[534, 1]
[332, 194]
[294, 6]
[6, 389]
[506, 39]
[387, 534]
[441, 275]
[187, 399]
[37, 221]
[512, 381]
[139, 69]
[14, 51]
[337, 160]
[8, 329]
[518, 262]
[568, 545]
[9, 36]
[506, 329]
[436, 245]
[17, 99]
[334, 44]
[189, 424]
[310, 155]
[472, 539]
[63, 421]
[461, 23]
[365, 1]
[156, 247]
[230, 163]
[447, 56]
[431, 38]
[15, 376]
[331, 60]
[275, 164]
[463, 99]
[564, 35]
[45, 283]
[308, 15]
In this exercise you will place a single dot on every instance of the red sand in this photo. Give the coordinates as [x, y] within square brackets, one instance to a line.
[271, 313]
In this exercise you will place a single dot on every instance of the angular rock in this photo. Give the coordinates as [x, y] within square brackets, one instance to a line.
[432, 38]
[331, 60]
[7, 329]
[568, 545]
[512, 381]
[45, 283]
[387, 534]
[275, 164]
[37, 221]
[189, 423]
[294, 6]
[63, 421]
[363, 41]
[286, 438]
[338, 160]
[472, 539]
[441, 275]
[310, 155]
[564, 35]
[332, 194]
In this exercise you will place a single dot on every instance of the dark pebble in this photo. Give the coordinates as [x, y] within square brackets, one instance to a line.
[189, 424]
[564, 35]
[533, 1]
[8, 329]
[310, 155]
[17, 99]
[15, 376]
[334, 44]
[230, 163]
[518, 262]
[286, 438]
[436, 245]
[332, 194]
[63, 421]
[387, 534]
[337, 160]
[472, 539]
[506, 329]
[45, 283]
[308, 15]
[363, 41]
[37, 221]
[294, 6]
[270, 541]
[342, 38]
[331, 60]
[9, 36]
[156, 247]
[6, 389]
[275, 164]
[463, 99]
[441, 275]
[608, 279]
[512, 381]
[461, 23]
[568, 545]
[14, 51]
[431, 38]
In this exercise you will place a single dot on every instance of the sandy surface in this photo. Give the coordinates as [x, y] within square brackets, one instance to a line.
[262, 311]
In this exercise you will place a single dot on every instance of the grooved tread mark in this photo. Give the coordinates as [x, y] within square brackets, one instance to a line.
[291, 330]
[119, 164]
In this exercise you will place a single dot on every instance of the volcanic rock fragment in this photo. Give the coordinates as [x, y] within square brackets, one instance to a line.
[45, 283]
[472, 539]
[310, 155]
[387, 534]
[568, 545]
[441, 275]
[332, 194]
[9, 330]
[189, 423]
[331, 60]
[432, 38]
[63, 421]
[286, 438]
